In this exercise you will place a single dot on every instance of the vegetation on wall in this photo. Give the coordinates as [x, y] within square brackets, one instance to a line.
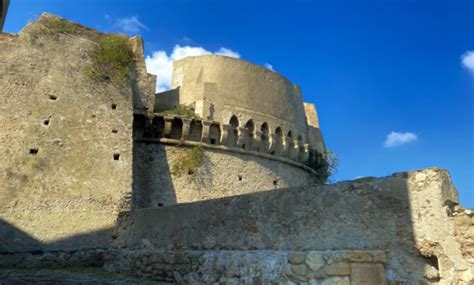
[112, 59]
[324, 163]
[181, 110]
[53, 26]
[189, 162]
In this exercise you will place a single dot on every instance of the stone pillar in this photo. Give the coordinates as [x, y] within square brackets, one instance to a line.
[226, 135]
[304, 155]
[242, 139]
[295, 150]
[285, 149]
[256, 142]
[168, 126]
[273, 143]
[206, 125]
[186, 128]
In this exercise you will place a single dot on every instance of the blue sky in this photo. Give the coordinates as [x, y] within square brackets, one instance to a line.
[371, 67]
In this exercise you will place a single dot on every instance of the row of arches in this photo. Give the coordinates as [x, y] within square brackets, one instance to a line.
[248, 137]
[264, 136]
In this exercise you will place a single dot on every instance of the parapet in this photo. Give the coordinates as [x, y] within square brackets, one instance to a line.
[242, 97]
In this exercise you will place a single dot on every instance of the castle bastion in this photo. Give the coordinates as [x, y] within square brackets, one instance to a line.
[256, 132]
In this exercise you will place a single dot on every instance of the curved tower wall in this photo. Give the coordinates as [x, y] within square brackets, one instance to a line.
[221, 87]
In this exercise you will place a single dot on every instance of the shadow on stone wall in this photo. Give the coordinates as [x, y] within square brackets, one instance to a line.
[399, 215]
[150, 170]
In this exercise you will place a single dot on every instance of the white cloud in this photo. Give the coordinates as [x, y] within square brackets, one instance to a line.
[161, 64]
[397, 139]
[227, 52]
[467, 60]
[269, 66]
[128, 25]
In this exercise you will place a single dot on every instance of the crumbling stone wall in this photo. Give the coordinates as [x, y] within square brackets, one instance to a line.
[252, 267]
[406, 215]
[65, 140]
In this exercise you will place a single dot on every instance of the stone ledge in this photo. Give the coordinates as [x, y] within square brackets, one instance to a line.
[176, 142]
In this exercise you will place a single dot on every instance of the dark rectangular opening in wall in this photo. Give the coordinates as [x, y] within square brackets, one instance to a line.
[213, 141]
[116, 156]
[114, 131]
[114, 106]
[34, 150]
[46, 122]
[53, 97]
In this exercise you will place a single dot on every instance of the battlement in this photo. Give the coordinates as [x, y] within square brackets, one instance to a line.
[253, 104]
[178, 130]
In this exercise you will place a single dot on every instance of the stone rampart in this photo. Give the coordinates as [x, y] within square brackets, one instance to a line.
[65, 139]
[407, 215]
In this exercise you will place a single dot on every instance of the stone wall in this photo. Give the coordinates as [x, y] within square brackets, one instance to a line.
[222, 173]
[253, 266]
[65, 140]
[407, 215]
[221, 87]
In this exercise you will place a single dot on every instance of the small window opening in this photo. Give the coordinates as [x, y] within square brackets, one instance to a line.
[116, 156]
[240, 177]
[213, 141]
[243, 146]
[190, 172]
[114, 131]
[93, 115]
[275, 182]
[160, 204]
[53, 97]
[272, 153]
[33, 150]
[114, 106]
[46, 122]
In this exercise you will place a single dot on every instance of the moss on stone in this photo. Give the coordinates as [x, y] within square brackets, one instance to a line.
[112, 59]
[189, 162]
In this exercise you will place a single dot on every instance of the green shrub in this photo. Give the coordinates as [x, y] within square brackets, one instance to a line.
[188, 163]
[324, 163]
[112, 59]
[181, 110]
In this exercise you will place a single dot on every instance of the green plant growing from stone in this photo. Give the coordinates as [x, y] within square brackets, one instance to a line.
[189, 163]
[52, 26]
[181, 110]
[324, 163]
[112, 59]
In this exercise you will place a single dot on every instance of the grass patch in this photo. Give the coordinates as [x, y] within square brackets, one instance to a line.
[53, 26]
[181, 110]
[189, 162]
[324, 163]
[111, 59]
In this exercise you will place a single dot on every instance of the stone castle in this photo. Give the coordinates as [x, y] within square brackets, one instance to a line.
[211, 182]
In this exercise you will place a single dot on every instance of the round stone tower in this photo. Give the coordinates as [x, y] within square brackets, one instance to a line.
[250, 123]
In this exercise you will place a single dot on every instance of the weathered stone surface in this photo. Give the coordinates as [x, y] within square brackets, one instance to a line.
[59, 133]
[221, 174]
[389, 214]
[367, 274]
[299, 269]
[296, 257]
[314, 260]
[336, 281]
[340, 268]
